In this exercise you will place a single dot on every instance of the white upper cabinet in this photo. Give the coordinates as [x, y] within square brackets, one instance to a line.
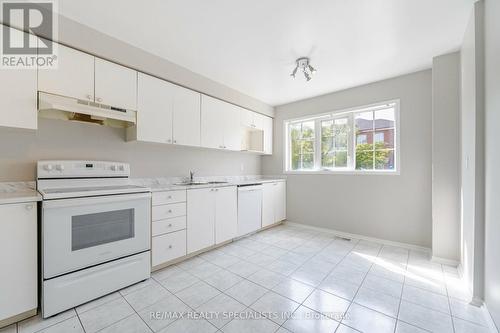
[154, 109]
[232, 129]
[268, 135]
[73, 77]
[18, 93]
[115, 85]
[226, 213]
[251, 119]
[246, 117]
[258, 121]
[212, 122]
[220, 124]
[186, 117]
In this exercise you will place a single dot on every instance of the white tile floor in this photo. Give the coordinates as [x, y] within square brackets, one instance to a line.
[285, 279]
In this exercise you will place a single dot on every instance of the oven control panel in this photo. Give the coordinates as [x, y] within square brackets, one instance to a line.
[81, 169]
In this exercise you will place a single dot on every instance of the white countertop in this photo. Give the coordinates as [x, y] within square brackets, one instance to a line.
[159, 186]
[18, 192]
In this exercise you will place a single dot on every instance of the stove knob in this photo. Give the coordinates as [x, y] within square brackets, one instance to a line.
[114, 168]
[122, 168]
[60, 167]
[48, 167]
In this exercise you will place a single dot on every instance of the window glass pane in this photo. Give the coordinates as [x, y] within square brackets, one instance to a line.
[307, 161]
[384, 139]
[327, 160]
[364, 160]
[341, 159]
[384, 159]
[384, 118]
[308, 130]
[363, 121]
[302, 145]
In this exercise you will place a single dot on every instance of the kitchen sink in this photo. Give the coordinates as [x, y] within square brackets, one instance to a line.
[200, 183]
[192, 183]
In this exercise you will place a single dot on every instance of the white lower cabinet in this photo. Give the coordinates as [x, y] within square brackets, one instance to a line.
[168, 247]
[168, 227]
[273, 203]
[211, 217]
[200, 219]
[19, 272]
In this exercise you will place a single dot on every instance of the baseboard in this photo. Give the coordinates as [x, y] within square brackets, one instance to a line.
[366, 238]
[444, 261]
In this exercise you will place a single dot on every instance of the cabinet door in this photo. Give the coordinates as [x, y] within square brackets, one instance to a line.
[268, 135]
[279, 201]
[19, 273]
[154, 109]
[226, 213]
[186, 117]
[246, 118]
[200, 219]
[268, 204]
[258, 120]
[73, 77]
[18, 93]
[213, 113]
[115, 85]
[232, 129]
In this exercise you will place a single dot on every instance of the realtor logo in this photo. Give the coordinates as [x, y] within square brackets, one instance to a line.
[21, 47]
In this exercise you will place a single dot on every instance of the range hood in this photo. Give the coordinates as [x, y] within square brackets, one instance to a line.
[67, 108]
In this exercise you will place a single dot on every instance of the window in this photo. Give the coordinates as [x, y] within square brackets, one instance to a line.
[302, 138]
[356, 140]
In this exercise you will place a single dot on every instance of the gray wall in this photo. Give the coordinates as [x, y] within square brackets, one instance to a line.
[492, 152]
[472, 152]
[446, 157]
[56, 139]
[395, 207]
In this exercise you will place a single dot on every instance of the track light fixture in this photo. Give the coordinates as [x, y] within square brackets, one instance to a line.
[306, 68]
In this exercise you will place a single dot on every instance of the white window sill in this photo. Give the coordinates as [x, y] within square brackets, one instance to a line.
[344, 172]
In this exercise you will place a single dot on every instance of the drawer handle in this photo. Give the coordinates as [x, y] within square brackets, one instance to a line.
[169, 197]
[170, 225]
[29, 207]
[170, 211]
[170, 246]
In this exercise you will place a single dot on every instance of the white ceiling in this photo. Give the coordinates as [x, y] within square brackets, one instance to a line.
[251, 45]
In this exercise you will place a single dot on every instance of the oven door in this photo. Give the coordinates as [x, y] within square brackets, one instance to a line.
[82, 232]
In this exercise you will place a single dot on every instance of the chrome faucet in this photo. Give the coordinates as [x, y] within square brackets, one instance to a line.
[191, 175]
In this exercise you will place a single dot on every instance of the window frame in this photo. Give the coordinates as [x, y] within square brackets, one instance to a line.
[351, 167]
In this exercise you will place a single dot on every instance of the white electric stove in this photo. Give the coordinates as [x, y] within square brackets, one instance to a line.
[95, 231]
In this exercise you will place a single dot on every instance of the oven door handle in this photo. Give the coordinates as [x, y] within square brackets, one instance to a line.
[59, 203]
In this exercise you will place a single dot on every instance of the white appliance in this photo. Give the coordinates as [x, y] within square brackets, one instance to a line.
[67, 108]
[95, 231]
[249, 208]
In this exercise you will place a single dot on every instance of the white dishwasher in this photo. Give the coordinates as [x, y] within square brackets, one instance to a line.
[249, 208]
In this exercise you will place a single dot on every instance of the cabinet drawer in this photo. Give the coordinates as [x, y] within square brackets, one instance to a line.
[169, 225]
[168, 211]
[163, 198]
[168, 247]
